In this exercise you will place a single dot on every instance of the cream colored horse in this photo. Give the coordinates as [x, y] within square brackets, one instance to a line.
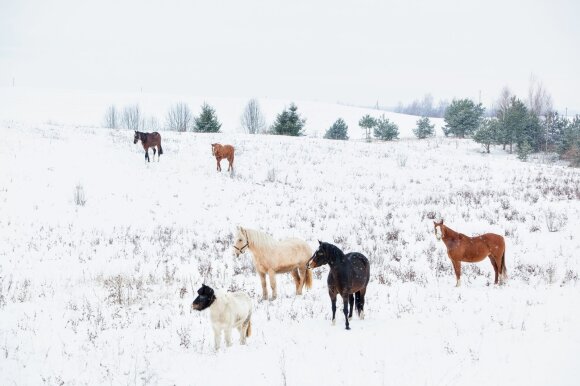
[271, 257]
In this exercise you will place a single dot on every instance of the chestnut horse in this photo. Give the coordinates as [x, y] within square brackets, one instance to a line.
[149, 140]
[223, 151]
[473, 250]
[349, 274]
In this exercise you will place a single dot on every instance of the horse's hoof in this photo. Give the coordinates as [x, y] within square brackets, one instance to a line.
[350, 318]
[347, 327]
[361, 316]
[333, 322]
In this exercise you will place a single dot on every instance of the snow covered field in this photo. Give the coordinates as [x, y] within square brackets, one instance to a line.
[90, 293]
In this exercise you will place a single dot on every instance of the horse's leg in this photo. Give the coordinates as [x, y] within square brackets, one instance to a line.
[147, 155]
[351, 304]
[333, 302]
[296, 277]
[457, 268]
[154, 152]
[231, 162]
[302, 270]
[217, 337]
[345, 309]
[495, 268]
[272, 276]
[264, 286]
[242, 331]
[360, 303]
[228, 334]
[219, 168]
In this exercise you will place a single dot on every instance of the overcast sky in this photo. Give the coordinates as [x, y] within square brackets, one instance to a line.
[356, 52]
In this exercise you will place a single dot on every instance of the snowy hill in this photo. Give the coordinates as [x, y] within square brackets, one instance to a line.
[88, 109]
[90, 293]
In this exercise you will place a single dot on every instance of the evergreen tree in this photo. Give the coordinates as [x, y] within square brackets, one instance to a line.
[424, 128]
[338, 130]
[207, 121]
[289, 122]
[555, 128]
[463, 117]
[386, 130]
[569, 148]
[367, 122]
[487, 133]
[513, 123]
[524, 149]
[533, 133]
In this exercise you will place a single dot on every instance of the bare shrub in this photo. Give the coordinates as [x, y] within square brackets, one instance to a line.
[252, 119]
[184, 337]
[79, 195]
[112, 117]
[132, 118]
[179, 117]
[271, 176]
[122, 290]
[402, 160]
[570, 276]
[555, 221]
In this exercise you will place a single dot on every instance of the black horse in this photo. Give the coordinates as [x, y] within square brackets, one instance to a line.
[349, 274]
[149, 140]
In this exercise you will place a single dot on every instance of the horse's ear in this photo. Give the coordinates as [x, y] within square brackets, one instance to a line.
[441, 221]
[319, 242]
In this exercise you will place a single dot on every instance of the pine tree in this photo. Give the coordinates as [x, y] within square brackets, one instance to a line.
[338, 130]
[463, 117]
[207, 121]
[367, 123]
[424, 128]
[524, 150]
[487, 133]
[554, 127]
[513, 123]
[569, 148]
[289, 122]
[386, 130]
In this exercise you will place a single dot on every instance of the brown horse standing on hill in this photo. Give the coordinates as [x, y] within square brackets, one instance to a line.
[149, 140]
[473, 250]
[223, 151]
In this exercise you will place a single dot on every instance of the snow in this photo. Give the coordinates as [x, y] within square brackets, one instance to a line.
[90, 294]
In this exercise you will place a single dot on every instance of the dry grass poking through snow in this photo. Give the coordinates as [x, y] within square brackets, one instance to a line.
[100, 292]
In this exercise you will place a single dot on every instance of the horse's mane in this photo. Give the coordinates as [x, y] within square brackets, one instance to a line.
[333, 250]
[259, 239]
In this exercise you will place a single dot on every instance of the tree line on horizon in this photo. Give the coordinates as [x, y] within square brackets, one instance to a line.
[515, 125]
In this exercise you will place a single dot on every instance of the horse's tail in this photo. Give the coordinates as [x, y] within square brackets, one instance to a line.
[308, 279]
[249, 329]
[503, 268]
[160, 148]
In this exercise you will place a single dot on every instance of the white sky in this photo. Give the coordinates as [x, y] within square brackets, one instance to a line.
[349, 51]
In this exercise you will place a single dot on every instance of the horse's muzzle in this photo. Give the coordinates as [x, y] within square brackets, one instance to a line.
[311, 264]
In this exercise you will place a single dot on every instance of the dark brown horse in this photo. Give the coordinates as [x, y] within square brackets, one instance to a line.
[473, 250]
[349, 274]
[149, 140]
[223, 151]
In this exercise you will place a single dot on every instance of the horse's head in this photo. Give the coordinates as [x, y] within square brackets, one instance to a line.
[242, 243]
[214, 148]
[136, 138]
[205, 298]
[441, 227]
[320, 257]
